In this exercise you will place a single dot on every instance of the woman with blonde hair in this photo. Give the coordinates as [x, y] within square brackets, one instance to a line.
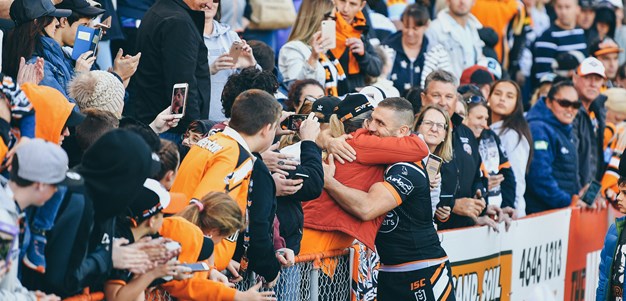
[433, 125]
[304, 55]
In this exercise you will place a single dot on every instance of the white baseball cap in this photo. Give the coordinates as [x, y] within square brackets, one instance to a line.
[591, 65]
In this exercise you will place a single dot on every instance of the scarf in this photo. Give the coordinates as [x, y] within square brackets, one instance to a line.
[345, 31]
[334, 73]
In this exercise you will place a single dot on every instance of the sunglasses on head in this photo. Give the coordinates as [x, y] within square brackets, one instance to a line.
[467, 88]
[474, 99]
[567, 103]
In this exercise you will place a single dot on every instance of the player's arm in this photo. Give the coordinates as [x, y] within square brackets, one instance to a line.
[363, 205]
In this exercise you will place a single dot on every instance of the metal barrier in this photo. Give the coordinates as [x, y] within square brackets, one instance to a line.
[314, 277]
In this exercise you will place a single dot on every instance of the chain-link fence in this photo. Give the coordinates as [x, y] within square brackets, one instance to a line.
[314, 277]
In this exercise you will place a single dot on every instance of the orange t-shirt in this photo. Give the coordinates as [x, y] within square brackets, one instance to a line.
[496, 14]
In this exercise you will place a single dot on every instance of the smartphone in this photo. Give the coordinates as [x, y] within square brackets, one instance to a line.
[300, 176]
[179, 100]
[433, 165]
[197, 267]
[592, 192]
[329, 32]
[8, 233]
[235, 51]
[293, 122]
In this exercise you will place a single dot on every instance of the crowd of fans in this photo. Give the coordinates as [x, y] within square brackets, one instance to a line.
[141, 137]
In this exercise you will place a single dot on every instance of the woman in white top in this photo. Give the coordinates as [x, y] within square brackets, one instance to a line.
[303, 57]
[508, 122]
[219, 38]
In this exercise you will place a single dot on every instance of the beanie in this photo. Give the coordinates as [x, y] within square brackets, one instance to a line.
[616, 100]
[98, 90]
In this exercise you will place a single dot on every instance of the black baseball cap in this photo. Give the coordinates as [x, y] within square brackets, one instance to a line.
[353, 105]
[74, 119]
[81, 7]
[325, 105]
[24, 11]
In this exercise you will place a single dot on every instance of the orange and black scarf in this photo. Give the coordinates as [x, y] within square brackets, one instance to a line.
[345, 31]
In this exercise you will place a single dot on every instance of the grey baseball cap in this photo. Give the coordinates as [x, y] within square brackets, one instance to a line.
[45, 162]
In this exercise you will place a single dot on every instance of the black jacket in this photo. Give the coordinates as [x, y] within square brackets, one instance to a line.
[289, 209]
[591, 140]
[461, 177]
[261, 253]
[172, 51]
[78, 250]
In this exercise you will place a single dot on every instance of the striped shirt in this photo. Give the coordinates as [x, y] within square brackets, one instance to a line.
[553, 42]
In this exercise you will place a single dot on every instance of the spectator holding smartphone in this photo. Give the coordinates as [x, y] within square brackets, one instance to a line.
[219, 39]
[172, 48]
[305, 54]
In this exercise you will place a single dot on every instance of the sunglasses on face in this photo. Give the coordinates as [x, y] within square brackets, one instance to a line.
[565, 103]
[474, 99]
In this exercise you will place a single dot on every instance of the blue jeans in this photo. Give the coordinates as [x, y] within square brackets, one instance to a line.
[46, 214]
[288, 286]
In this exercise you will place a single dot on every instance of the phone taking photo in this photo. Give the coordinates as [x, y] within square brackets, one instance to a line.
[179, 100]
[329, 32]
[293, 122]
[592, 192]
[235, 51]
[433, 165]
[197, 267]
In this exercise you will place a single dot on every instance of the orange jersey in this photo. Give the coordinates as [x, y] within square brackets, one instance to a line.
[223, 163]
[496, 14]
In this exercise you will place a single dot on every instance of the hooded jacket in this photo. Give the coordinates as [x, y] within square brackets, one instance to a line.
[51, 111]
[221, 162]
[218, 43]
[10, 286]
[603, 292]
[79, 246]
[58, 71]
[550, 182]
[199, 287]
[373, 154]
[172, 51]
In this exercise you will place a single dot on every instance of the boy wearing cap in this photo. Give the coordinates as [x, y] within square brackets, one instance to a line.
[37, 168]
[145, 218]
[590, 121]
[224, 162]
[54, 115]
[607, 51]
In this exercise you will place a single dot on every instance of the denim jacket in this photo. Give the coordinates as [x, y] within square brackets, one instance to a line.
[58, 69]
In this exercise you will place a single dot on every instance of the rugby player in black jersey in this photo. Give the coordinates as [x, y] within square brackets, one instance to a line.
[414, 266]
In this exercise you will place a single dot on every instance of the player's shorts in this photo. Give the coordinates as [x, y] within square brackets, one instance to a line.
[429, 284]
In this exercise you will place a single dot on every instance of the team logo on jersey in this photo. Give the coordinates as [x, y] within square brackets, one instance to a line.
[467, 148]
[402, 184]
[420, 295]
[390, 223]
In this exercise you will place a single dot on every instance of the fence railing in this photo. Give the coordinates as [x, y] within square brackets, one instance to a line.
[314, 277]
